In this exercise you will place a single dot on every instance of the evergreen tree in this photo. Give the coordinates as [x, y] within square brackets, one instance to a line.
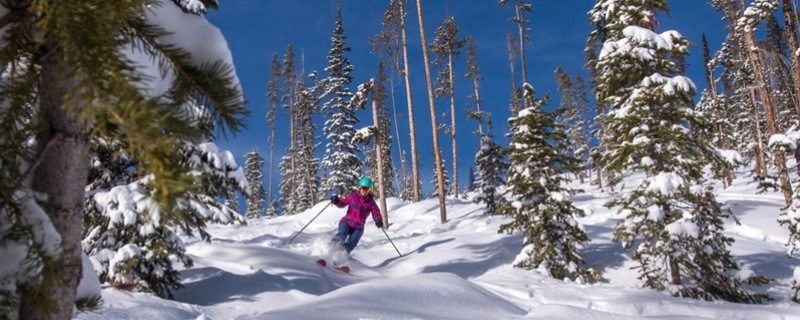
[675, 221]
[435, 180]
[273, 90]
[572, 117]
[341, 160]
[492, 165]
[288, 187]
[379, 95]
[446, 46]
[124, 236]
[52, 48]
[307, 192]
[540, 206]
[474, 73]
[407, 193]
[254, 196]
[232, 201]
[471, 185]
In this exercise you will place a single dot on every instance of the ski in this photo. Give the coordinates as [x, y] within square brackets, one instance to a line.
[342, 269]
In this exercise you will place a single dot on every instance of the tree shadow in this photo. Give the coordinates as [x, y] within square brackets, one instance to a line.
[488, 256]
[218, 286]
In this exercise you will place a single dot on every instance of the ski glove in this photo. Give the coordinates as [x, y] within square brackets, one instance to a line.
[379, 224]
[335, 199]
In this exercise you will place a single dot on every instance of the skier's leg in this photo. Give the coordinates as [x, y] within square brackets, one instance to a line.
[341, 234]
[352, 241]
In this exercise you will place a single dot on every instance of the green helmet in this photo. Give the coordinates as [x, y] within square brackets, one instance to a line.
[365, 183]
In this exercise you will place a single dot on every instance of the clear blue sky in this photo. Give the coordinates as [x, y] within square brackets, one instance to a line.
[257, 29]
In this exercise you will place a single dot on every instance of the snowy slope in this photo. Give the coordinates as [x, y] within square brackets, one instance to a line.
[457, 270]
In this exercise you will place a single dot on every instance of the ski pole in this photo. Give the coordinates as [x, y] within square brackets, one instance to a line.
[312, 220]
[390, 241]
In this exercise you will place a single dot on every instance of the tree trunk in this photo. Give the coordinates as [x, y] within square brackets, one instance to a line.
[760, 165]
[379, 158]
[509, 41]
[453, 124]
[791, 29]
[397, 134]
[434, 125]
[411, 128]
[521, 27]
[476, 92]
[61, 175]
[769, 113]
[271, 156]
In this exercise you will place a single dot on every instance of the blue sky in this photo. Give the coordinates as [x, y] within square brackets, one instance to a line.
[257, 29]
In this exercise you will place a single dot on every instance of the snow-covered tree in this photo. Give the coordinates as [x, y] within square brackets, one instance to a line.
[308, 184]
[106, 49]
[540, 203]
[254, 195]
[341, 161]
[492, 166]
[127, 238]
[572, 117]
[435, 180]
[446, 46]
[379, 95]
[670, 216]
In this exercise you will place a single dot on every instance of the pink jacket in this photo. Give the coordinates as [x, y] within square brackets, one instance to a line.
[359, 208]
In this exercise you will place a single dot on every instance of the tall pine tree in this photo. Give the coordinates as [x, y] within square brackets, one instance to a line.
[255, 195]
[540, 203]
[675, 221]
[341, 160]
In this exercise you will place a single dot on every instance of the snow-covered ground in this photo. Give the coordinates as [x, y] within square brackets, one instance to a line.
[457, 270]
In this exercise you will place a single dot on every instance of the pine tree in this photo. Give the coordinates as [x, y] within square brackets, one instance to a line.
[125, 237]
[51, 49]
[273, 90]
[307, 192]
[254, 196]
[435, 180]
[492, 165]
[473, 73]
[471, 185]
[520, 8]
[289, 165]
[389, 43]
[341, 159]
[379, 96]
[572, 117]
[446, 46]
[674, 220]
[437, 151]
[540, 206]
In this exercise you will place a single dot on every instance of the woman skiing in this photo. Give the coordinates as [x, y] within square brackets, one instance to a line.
[361, 203]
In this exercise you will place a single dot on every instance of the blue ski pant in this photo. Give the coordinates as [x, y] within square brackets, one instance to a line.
[348, 236]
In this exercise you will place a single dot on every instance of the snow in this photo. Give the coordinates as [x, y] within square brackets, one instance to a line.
[461, 269]
[665, 183]
[89, 285]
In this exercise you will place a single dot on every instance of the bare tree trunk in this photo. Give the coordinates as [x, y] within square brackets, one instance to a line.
[760, 165]
[411, 127]
[521, 27]
[434, 125]
[453, 124]
[509, 42]
[61, 175]
[476, 92]
[791, 29]
[769, 112]
[397, 135]
[271, 154]
[379, 158]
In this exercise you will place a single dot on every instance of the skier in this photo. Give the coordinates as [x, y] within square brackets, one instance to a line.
[361, 203]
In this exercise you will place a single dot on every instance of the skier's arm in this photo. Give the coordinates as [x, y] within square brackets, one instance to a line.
[341, 203]
[376, 215]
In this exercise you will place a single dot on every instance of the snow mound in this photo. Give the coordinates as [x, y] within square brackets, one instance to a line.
[423, 296]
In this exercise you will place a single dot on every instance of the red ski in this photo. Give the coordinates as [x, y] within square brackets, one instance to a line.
[342, 269]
